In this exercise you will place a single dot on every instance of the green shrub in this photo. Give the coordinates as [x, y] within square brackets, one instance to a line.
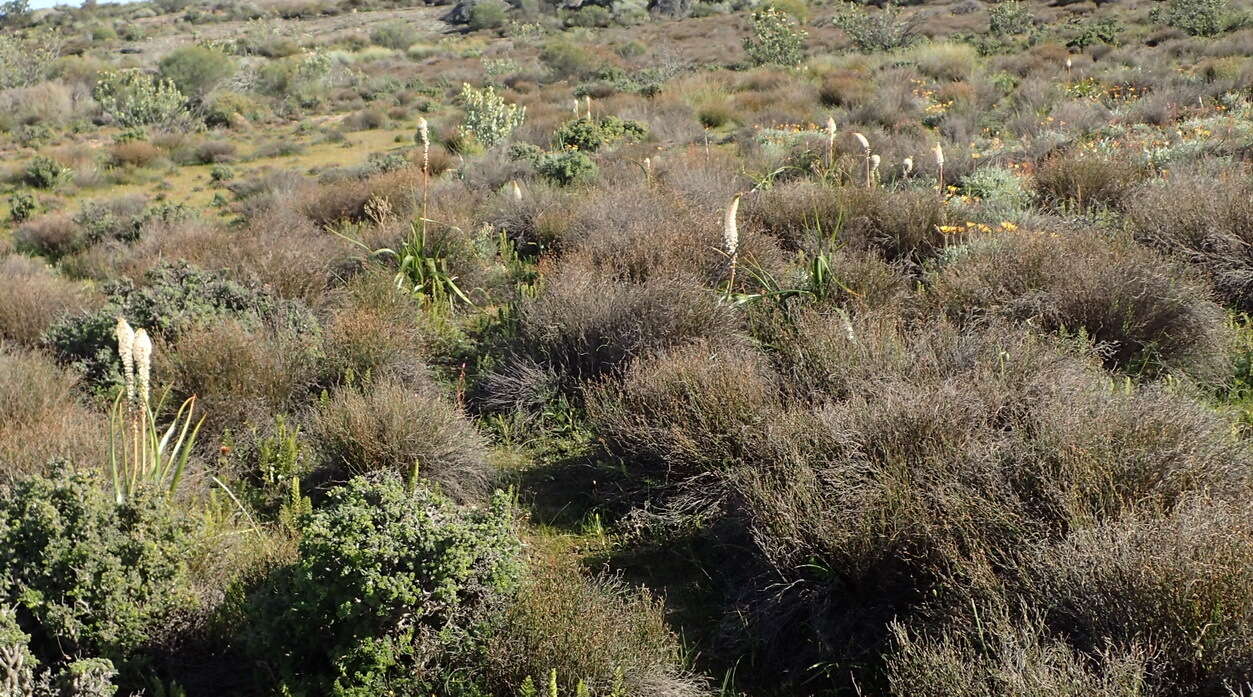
[1009, 17]
[885, 30]
[196, 70]
[488, 14]
[394, 35]
[391, 592]
[22, 206]
[46, 173]
[775, 39]
[134, 98]
[567, 60]
[94, 578]
[1195, 17]
[589, 16]
[1089, 32]
[487, 117]
[566, 167]
[171, 299]
[590, 134]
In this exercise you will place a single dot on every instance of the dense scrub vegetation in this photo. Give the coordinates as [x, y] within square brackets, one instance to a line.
[626, 349]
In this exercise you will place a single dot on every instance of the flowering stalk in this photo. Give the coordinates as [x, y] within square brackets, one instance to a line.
[939, 163]
[424, 135]
[865, 147]
[831, 141]
[731, 238]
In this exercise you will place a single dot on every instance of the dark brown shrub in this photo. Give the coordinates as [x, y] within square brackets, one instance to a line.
[41, 418]
[1207, 221]
[689, 411]
[241, 376]
[32, 297]
[373, 331]
[1083, 180]
[1181, 584]
[1145, 314]
[901, 225]
[133, 153]
[586, 324]
[53, 235]
[346, 200]
[942, 459]
[387, 425]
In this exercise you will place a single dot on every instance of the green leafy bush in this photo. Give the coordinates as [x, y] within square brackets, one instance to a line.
[134, 98]
[391, 589]
[488, 14]
[90, 578]
[46, 173]
[590, 134]
[775, 39]
[196, 70]
[1195, 17]
[487, 117]
[171, 299]
[1009, 17]
[886, 30]
[566, 167]
[21, 206]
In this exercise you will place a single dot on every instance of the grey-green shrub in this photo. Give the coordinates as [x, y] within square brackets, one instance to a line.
[488, 118]
[1195, 17]
[775, 39]
[196, 70]
[134, 98]
[884, 30]
[171, 298]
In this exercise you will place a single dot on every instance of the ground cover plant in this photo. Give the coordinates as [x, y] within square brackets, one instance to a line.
[679, 348]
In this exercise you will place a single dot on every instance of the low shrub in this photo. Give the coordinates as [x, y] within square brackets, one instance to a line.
[904, 226]
[53, 235]
[32, 297]
[394, 35]
[1145, 316]
[392, 591]
[172, 299]
[692, 410]
[42, 418]
[91, 577]
[585, 324]
[1082, 181]
[240, 374]
[389, 426]
[598, 631]
[1206, 221]
[941, 457]
[1178, 585]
